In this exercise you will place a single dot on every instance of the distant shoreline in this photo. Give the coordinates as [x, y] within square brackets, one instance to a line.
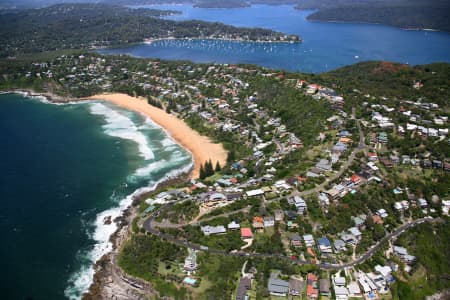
[374, 23]
[153, 40]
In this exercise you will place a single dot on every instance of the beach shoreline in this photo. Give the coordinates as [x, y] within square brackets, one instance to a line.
[200, 147]
[109, 281]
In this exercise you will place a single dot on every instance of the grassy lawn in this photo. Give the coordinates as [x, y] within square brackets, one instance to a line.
[175, 269]
[252, 292]
[316, 151]
[269, 231]
[417, 285]
[198, 293]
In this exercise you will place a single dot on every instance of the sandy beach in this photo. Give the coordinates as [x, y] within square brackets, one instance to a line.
[201, 147]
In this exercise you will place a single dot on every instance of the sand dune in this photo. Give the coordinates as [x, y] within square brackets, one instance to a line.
[201, 147]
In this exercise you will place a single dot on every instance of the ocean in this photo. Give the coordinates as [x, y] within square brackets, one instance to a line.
[326, 46]
[64, 169]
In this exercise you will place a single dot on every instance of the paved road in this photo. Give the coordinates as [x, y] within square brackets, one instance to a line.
[168, 224]
[149, 226]
[344, 167]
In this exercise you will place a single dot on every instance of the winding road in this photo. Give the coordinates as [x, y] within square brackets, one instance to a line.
[151, 226]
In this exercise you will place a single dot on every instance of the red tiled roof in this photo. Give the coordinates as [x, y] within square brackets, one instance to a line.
[312, 277]
[246, 232]
[355, 178]
[258, 219]
[311, 290]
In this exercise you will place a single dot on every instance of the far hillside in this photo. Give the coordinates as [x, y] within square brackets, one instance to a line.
[87, 26]
[415, 14]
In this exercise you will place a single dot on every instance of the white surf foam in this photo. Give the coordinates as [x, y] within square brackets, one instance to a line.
[81, 280]
[119, 125]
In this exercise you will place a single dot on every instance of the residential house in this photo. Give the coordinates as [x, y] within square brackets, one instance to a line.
[355, 232]
[258, 223]
[300, 204]
[422, 203]
[333, 193]
[366, 284]
[292, 215]
[277, 287]
[377, 219]
[339, 281]
[436, 164]
[269, 221]
[394, 159]
[359, 222]
[339, 245]
[379, 281]
[309, 240]
[324, 287]
[312, 291]
[349, 239]
[209, 230]
[279, 215]
[354, 290]
[341, 292]
[245, 285]
[403, 254]
[445, 207]
[356, 180]
[246, 233]
[296, 286]
[384, 271]
[296, 240]
[323, 199]
[324, 164]
[190, 262]
[254, 193]
[324, 245]
[382, 213]
[372, 156]
[233, 226]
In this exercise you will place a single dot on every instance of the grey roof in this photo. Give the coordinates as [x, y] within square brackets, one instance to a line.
[296, 285]
[308, 237]
[296, 237]
[355, 231]
[324, 285]
[358, 221]
[338, 244]
[269, 219]
[400, 250]
[213, 229]
[278, 286]
[244, 286]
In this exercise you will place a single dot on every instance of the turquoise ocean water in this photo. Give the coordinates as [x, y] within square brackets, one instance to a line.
[64, 168]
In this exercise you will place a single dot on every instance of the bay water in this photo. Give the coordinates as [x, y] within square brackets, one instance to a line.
[325, 46]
